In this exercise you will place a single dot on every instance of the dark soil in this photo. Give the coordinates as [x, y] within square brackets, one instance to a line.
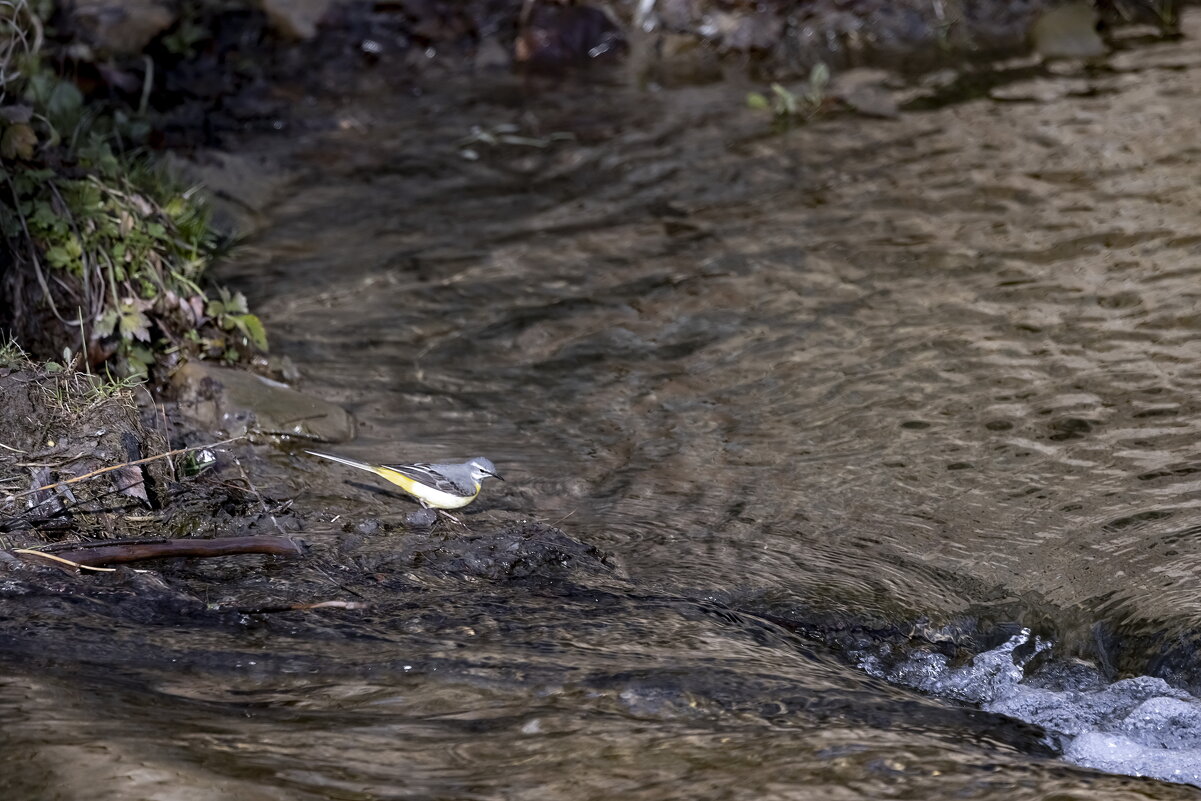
[58, 426]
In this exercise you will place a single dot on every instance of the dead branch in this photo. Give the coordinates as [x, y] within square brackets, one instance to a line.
[91, 555]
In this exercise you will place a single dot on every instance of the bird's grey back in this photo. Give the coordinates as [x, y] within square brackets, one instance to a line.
[445, 477]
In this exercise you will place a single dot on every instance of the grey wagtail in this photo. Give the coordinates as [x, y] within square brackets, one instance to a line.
[435, 486]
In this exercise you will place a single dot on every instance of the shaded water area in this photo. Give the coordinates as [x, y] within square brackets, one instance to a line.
[799, 400]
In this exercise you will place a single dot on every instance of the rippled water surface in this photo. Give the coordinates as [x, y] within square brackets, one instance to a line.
[939, 368]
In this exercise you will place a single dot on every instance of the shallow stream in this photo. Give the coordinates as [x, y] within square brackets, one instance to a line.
[814, 393]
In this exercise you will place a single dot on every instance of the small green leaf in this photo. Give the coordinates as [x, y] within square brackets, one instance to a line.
[140, 354]
[18, 142]
[61, 256]
[64, 103]
[133, 324]
[97, 153]
[236, 304]
[39, 87]
[252, 328]
[107, 322]
[10, 225]
[757, 101]
[44, 218]
[819, 77]
[786, 102]
[138, 360]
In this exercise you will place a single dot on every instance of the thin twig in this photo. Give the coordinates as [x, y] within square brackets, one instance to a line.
[103, 470]
[147, 85]
[337, 583]
[166, 426]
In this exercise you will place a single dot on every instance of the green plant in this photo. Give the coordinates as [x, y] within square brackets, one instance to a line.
[195, 462]
[187, 33]
[12, 354]
[136, 246]
[231, 314]
[77, 392]
[788, 106]
[115, 248]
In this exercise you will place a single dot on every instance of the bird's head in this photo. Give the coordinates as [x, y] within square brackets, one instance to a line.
[482, 468]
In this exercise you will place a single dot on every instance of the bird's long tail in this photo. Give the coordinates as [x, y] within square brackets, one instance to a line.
[370, 468]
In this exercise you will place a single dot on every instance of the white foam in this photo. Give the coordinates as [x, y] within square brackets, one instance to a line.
[1118, 754]
[1138, 727]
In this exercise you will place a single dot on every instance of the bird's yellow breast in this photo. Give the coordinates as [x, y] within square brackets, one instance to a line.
[431, 497]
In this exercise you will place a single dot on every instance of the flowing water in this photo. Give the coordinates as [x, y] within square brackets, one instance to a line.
[934, 375]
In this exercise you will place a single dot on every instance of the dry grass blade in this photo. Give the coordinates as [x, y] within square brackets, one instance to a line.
[61, 560]
[303, 607]
[23, 36]
[332, 605]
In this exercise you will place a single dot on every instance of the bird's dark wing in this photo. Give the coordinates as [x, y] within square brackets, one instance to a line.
[429, 475]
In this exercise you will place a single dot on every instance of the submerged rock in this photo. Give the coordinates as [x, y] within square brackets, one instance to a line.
[553, 36]
[1068, 31]
[296, 19]
[240, 186]
[237, 402]
[422, 518]
[121, 27]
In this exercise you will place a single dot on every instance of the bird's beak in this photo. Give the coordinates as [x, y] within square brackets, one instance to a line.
[496, 476]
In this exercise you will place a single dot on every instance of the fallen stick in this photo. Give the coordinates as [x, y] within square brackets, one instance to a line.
[91, 555]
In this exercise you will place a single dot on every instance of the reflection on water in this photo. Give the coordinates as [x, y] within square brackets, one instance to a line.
[944, 365]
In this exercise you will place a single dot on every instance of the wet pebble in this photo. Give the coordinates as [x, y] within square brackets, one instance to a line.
[422, 518]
